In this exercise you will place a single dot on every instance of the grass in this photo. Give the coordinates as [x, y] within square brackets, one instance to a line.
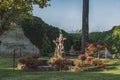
[112, 72]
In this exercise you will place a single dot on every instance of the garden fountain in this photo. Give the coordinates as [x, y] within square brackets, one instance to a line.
[59, 49]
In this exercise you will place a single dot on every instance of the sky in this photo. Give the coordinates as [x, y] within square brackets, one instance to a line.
[67, 14]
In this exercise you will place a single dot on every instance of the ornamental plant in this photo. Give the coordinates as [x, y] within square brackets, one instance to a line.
[33, 63]
[52, 61]
[77, 62]
[35, 56]
[61, 64]
[80, 63]
[99, 63]
[96, 61]
[85, 62]
[102, 64]
[70, 62]
[21, 60]
[89, 60]
[30, 62]
[91, 49]
[82, 57]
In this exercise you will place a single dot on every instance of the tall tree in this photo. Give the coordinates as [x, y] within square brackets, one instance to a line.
[116, 40]
[85, 25]
[12, 11]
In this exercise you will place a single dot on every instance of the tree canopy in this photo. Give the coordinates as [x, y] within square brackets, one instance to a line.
[12, 11]
[41, 34]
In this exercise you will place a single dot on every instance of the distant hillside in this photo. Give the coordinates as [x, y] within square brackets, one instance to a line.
[42, 35]
[111, 36]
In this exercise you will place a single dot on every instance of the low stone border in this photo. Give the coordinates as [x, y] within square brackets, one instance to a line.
[41, 68]
[91, 67]
[77, 68]
[47, 68]
[53, 68]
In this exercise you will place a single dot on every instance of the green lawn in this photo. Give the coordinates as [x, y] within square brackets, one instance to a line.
[112, 72]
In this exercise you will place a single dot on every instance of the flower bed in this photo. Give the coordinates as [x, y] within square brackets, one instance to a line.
[60, 64]
[87, 63]
[81, 64]
[29, 62]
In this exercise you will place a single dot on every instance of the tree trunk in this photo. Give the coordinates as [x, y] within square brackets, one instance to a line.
[106, 52]
[85, 25]
[98, 54]
[2, 21]
[1, 24]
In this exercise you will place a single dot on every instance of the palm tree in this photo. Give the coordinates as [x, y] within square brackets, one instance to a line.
[85, 25]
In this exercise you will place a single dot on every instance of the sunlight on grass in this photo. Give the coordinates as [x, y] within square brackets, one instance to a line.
[8, 68]
[113, 66]
[112, 72]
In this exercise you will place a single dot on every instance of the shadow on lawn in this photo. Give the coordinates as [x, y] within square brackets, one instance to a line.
[115, 64]
[7, 74]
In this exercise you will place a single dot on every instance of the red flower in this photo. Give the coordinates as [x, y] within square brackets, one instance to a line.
[89, 59]
[37, 63]
[30, 65]
[30, 62]
[82, 57]
[102, 64]
[27, 58]
[35, 56]
[61, 64]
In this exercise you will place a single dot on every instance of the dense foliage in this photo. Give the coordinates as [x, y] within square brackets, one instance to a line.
[18, 9]
[76, 41]
[116, 39]
[30, 61]
[42, 35]
[111, 37]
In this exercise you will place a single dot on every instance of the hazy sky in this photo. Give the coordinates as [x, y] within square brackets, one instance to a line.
[67, 14]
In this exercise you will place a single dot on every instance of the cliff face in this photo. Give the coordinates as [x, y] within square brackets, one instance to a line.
[16, 40]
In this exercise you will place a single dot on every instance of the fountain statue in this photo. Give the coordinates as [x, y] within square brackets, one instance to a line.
[59, 50]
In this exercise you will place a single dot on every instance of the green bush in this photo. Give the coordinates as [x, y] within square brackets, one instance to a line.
[96, 61]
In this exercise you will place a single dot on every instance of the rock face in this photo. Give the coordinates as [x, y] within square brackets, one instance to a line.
[15, 41]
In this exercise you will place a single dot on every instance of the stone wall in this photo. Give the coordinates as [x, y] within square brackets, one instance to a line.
[16, 40]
